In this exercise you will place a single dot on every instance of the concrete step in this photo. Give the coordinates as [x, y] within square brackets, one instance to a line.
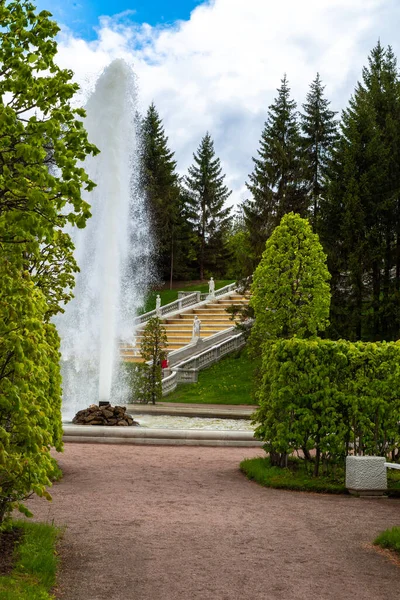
[227, 303]
[133, 359]
[214, 313]
[235, 298]
[185, 322]
[208, 313]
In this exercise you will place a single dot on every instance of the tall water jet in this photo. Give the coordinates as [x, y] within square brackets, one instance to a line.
[113, 251]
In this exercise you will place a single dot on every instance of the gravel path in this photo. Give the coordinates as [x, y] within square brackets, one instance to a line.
[170, 523]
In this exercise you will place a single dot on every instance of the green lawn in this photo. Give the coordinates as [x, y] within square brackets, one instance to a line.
[34, 573]
[295, 477]
[390, 538]
[298, 477]
[230, 381]
[168, 296]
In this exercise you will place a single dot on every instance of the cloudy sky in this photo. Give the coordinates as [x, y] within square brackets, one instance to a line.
[215, 65]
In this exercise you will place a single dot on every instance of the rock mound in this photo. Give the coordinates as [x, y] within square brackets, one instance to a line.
[104, 415]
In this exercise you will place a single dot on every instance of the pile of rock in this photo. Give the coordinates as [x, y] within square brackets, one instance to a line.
[104, 415]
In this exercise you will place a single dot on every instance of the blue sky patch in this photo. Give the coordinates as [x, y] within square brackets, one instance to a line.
[82, 16]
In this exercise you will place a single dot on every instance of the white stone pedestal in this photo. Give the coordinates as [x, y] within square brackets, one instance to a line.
[366, 475]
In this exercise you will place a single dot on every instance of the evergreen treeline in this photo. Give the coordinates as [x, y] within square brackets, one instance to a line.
[189, 216]
[343, 174]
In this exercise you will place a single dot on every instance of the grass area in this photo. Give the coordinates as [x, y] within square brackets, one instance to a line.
[393, 477]
[298, 477]
[295, 477]
[34, 573]
[390, 538]
[229, 381]
[168, 296]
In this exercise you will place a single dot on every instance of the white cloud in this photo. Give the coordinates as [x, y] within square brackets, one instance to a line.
[219, 70]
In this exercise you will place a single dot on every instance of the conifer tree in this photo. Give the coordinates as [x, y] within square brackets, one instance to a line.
[365, 190]
[160, 183]
[206, 197]
[276, 182]
[319, 134]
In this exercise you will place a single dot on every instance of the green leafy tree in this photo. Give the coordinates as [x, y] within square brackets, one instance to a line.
[290, 289]
[30, 391]
[42, 144]
[290, 298]
[276, 183]
[206, 198]
[319, 135]
[162, 188]
[39, 126]
[153, 347]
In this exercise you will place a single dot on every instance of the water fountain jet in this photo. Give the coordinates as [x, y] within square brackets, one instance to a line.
[113, 251]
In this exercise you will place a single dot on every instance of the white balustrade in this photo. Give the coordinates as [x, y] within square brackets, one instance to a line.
[185, 299]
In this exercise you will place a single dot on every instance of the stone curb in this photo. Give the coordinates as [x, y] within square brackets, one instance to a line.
[161, 442]
[140, 435]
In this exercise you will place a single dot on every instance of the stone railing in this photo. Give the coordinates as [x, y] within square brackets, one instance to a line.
[187, 370]
[392, 465]
[231, 287]
[185, 299]
[177, 305]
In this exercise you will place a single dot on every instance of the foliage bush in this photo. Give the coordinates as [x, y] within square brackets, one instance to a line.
[326, 399]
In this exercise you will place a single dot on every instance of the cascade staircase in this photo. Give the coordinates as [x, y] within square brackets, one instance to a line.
[179, 325]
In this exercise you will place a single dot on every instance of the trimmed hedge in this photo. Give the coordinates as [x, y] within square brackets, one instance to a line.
[327, 398]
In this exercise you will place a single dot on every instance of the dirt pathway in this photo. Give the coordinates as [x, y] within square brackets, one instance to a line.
[165, 523]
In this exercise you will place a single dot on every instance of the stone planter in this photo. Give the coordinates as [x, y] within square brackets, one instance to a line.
[366, 475]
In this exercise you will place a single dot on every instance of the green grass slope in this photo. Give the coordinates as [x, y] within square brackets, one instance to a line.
[230, 381]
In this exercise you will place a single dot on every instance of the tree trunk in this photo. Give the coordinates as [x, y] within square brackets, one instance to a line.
[171, 262]
[202, 259]
[376, 292]
[317, 461]
[358, 308]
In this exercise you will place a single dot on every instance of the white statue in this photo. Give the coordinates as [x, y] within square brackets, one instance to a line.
[211, 287]
[196, 328]
[158, 305]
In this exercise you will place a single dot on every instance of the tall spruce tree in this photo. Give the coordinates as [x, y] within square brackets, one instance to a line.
[206, 198]
[365, 190]
[276, 182]
[160, 183]
[319, 135]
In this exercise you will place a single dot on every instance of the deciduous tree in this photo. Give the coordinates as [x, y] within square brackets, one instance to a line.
[290, 289]
[153, 348]
[38, 128]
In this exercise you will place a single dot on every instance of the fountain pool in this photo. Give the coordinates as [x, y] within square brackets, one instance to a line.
[204, 423]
